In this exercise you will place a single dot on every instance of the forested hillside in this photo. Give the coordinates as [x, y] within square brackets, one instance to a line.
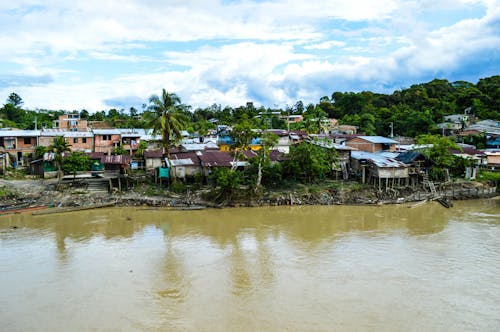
[412, 111]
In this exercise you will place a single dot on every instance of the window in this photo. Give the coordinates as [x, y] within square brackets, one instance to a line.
[27, 140]
[84, 140]
[75, 140]
[106, 137]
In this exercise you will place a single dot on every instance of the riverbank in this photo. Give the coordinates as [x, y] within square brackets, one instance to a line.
[36, 192]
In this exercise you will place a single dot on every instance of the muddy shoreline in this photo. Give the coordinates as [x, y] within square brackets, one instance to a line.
[42, 193]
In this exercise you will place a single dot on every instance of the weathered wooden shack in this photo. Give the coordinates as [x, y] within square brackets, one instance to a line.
[379, 170]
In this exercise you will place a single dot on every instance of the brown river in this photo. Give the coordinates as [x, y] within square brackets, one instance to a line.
[304, 268]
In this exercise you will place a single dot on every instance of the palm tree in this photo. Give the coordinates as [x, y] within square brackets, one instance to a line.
[59, 146]
[166, 118]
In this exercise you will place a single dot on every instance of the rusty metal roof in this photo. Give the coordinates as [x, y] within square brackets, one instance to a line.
[121, 159]
[153, 154]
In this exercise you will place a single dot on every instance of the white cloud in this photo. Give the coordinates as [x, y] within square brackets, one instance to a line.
[228, 53]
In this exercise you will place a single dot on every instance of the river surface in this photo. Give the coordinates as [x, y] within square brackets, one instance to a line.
[304, 268]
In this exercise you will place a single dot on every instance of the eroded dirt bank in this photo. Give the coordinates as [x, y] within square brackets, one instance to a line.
[42, 192]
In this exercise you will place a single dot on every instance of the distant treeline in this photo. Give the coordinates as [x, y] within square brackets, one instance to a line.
[412, 111]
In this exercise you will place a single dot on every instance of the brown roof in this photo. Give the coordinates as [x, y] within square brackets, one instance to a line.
[153, 154]
[96, 155]
[216, 158]
[276, 155]
[195, 160]
[121, 159]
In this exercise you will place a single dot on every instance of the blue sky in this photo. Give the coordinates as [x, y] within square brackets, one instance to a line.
[96, 55]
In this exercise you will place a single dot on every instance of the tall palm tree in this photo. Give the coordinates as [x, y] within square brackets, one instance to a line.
[59, 146]
[166, 118]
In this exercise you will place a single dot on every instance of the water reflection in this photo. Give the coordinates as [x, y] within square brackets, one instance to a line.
[295, 268]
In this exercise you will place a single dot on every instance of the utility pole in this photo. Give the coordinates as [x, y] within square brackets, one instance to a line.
[391, 124]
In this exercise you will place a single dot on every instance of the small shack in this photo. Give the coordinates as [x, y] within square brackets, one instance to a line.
[185, 164]
[379, 170]
[153, 159]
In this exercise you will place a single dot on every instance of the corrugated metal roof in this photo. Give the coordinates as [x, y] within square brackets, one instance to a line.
[330, 145]
[378, 139]
[153, 154]
[199, 146]
[121, 159]
[216, 159]
[19, 133]
[378, 160]
[107, 132]
[185, 159]
[78, 134]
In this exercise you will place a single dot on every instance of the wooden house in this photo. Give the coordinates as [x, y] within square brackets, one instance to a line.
[184, 164]
[379, 170]
[153, 159]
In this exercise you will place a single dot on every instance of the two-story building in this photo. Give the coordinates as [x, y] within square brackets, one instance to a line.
[19, 143]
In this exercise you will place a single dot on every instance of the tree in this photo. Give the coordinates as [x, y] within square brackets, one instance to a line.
[75, 162]
[313, 120]
[242, 135]
[15, 100]
[309, 162]
[268, 140]
[166, 118]
[439, 153]
[59, 147]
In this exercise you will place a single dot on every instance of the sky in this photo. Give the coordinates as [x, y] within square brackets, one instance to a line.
[97, 55]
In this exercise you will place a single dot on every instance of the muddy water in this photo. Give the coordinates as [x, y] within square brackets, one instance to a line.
[341, 268]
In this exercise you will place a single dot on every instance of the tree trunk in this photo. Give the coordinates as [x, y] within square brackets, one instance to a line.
[59, 176]
[259, 176]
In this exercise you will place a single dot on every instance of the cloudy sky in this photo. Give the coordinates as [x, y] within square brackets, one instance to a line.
[100, 54]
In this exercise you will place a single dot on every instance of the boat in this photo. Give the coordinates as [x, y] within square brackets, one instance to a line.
[21, 209]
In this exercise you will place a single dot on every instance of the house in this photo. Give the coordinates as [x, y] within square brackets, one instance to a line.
[284, 140]
[344, 155]
[477, 157]
[116, 164]
[372, 143]
[492, 159]
[225, 142]
[379, 170]
[489, 128]
[184, 164]
[417, 162]
[214, 159]
[153, 159]
[105, 140]
[19, 144]
[130, 139]
[453, 123]
[82, 141]
[70, 122]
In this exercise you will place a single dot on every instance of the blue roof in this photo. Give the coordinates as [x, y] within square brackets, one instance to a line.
[378, 139]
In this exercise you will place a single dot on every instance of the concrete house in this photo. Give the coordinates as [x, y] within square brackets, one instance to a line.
[105, 140]
[19, 144]
[372, 143]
